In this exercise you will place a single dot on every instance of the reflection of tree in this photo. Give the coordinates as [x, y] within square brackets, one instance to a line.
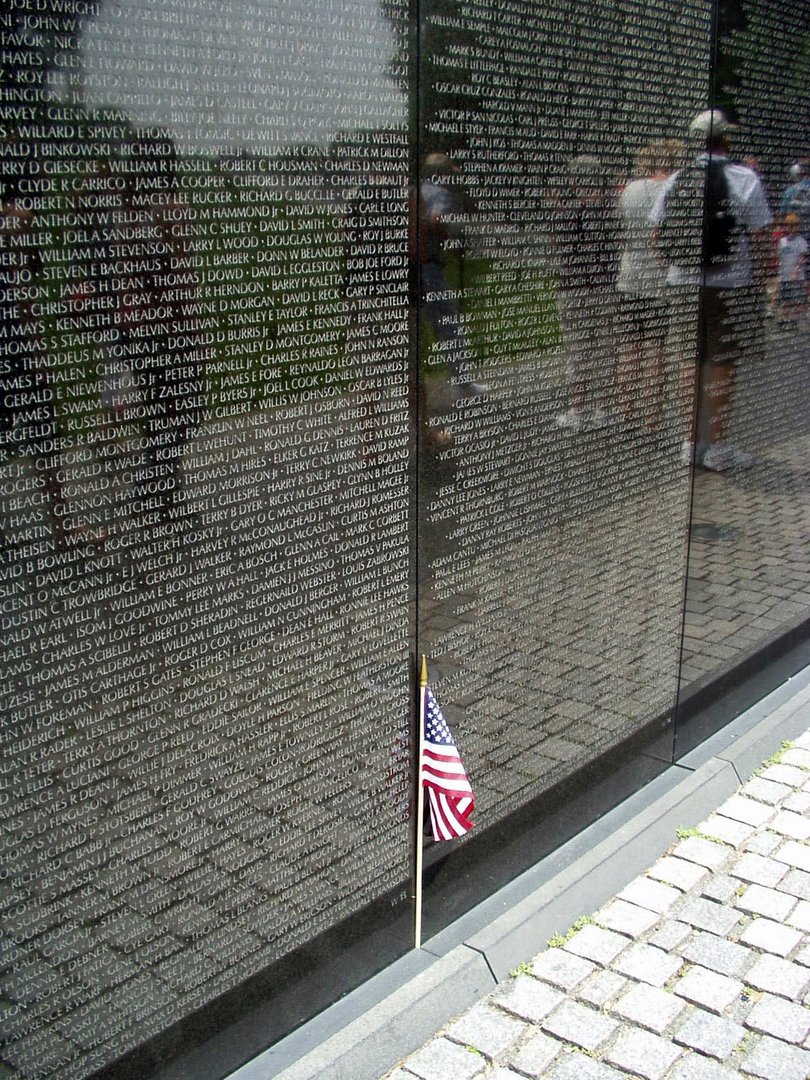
[37, 45]
[44, 39]
[572, 77]
[725, 76]
[444, 60]
[766, 61]
[397, 15]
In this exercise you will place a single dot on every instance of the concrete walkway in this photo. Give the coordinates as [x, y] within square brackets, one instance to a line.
[699, 969]
[696, 963]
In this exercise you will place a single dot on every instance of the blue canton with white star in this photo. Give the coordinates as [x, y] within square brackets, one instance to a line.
[436, 729]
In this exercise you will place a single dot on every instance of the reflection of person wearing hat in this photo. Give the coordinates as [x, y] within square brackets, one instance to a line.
[709, 125]
[643, 297]
[791, 252]
[730, 291]
[440, 208]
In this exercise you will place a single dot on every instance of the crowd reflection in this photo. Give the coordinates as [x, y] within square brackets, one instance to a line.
[289, 390]
[643, 323]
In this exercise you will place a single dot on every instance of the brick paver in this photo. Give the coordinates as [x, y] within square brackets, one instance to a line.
[771, 937]
[698, 970]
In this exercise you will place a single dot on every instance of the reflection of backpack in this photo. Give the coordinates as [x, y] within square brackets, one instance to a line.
[699, 228]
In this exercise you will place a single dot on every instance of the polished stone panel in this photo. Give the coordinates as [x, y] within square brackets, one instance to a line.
[333, 334]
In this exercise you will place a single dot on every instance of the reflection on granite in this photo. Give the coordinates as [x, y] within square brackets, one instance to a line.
[749, 578]
[551, 586]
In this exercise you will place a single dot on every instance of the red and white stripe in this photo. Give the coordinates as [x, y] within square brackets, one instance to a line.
[449, 817]
[450, 797]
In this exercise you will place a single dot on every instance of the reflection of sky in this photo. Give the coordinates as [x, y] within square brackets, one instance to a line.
[259, 73]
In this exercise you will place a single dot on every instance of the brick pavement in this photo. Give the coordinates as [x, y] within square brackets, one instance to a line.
[699, 969]
[748, 572]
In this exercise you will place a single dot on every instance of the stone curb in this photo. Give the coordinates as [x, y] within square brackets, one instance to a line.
[394, 1013]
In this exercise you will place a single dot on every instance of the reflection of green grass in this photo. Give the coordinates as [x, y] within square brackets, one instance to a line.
[513, 311]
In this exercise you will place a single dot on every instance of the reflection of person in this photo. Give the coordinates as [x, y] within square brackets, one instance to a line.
[796, 199]
[433, 437]
[792, 255]
[586, 238]
[643, 304]
[440, 208]
[731, 288]
[367, 258]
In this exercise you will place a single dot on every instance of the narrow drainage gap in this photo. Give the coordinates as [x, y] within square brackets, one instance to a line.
[485, 958]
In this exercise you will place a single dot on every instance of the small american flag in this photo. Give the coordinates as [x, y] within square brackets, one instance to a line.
[450, 796]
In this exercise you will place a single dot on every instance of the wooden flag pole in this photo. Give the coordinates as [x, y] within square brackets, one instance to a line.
[420, 805]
